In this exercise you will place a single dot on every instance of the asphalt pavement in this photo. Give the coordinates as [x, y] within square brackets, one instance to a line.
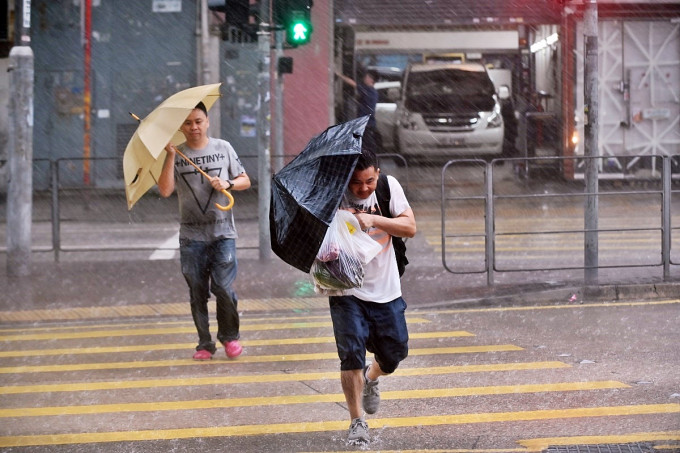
[97, 346]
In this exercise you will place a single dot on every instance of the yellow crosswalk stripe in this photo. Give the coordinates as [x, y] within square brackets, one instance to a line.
[269, 378]
[306, 399]
[166, 309]
[544, 414]
[190, 346]
[448, 450]
[170, 331]
[309, 427]
[241, 360]
[541, 444]
[91, 326]
[156, 322]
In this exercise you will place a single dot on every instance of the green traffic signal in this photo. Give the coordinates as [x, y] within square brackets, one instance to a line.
[298, 32]
[295, 16]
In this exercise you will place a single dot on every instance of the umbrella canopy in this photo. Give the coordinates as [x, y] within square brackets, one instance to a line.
[145, 153]
[307, 192]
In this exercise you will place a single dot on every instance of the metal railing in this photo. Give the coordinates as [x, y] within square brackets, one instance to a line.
[60, 197]
[650, 216]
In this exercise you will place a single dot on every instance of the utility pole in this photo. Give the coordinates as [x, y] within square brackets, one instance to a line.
[86, 11]
[278, 107]
[207, 57]
[204, 51]
[263, 130]
[20, 152]
[591, 122]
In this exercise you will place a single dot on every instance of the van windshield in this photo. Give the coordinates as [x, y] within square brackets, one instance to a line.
[449, 90]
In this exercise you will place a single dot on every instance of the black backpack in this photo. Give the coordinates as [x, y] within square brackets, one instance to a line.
[382, 192]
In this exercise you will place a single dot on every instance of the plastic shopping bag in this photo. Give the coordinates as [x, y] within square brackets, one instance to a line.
[339, 264]
[366, 247]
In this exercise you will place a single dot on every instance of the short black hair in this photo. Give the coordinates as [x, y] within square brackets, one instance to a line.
[201, 106]
[367, 158]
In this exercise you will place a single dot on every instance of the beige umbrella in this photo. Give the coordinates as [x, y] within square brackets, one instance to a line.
[145, 153]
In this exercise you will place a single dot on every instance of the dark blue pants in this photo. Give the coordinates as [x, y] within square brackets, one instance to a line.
[211, 267]
[361, 326]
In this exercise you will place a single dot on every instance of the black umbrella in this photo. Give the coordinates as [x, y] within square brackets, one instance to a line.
[307, 192]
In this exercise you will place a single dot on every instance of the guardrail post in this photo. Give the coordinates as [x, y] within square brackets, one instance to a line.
[56, 227]
[442, 208]
[489, 225]
[666, 218]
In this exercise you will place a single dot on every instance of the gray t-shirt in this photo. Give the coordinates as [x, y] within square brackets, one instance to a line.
[200, 220]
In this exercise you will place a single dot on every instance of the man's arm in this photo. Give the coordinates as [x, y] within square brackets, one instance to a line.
[166, 181]
[403, 226]
[349, 81]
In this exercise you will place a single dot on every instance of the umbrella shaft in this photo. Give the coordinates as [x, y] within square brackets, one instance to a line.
[191, 162]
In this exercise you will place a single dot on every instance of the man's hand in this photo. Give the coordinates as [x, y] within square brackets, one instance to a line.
[170, 149]
[365, 220]
[219, 184]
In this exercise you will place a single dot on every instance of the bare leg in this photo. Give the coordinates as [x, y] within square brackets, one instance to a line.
[352, 386]
[374, 371]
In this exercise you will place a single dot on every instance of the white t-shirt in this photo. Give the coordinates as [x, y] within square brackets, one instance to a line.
[381, 279]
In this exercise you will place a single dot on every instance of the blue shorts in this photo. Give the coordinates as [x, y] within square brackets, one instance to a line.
[361, 326]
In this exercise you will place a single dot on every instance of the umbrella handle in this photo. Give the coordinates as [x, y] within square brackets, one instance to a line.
[229, 205]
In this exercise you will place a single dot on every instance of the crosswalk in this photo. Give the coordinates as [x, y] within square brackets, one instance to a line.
[471, 383]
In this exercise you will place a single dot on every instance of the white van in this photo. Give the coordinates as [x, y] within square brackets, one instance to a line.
[388, 95]
[449, 110]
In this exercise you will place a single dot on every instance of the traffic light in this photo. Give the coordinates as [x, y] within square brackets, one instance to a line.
[237, 15]
[236, 12]
[296, 18]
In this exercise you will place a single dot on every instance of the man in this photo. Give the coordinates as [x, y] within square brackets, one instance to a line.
[367, 98]
[371, 317]
[207, 235]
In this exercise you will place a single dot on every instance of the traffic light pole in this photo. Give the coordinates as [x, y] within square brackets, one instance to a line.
[263, 132]
[278, 107]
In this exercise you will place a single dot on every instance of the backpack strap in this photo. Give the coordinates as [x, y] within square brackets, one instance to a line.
[382, 192]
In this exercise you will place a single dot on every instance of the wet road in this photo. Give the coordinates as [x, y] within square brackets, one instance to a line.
[95, 350]
[496, 379]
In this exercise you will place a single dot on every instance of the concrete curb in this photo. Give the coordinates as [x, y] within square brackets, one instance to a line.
[568, 294]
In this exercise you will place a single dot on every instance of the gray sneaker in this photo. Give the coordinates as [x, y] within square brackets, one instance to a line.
[358, 433]
[371, 395]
